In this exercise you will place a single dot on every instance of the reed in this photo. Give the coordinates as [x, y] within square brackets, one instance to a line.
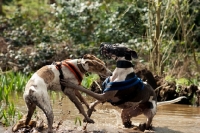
[10, 82]
[89, 79]
[78, 120]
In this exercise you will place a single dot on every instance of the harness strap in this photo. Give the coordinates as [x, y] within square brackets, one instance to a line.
[61, 76]
[71, 67]
[74, 70]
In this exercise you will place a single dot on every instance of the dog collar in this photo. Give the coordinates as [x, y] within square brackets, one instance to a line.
[80, 66]
[124, 64]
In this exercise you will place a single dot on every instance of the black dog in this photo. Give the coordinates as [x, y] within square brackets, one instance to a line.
[124, 89]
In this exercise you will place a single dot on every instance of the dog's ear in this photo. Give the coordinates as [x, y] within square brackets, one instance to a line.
[134, 54]
[92, 57]
[89, 62]
[94, 63]
[130, 54]
[89, 56]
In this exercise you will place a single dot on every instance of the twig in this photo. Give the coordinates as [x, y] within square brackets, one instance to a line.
[85, 127]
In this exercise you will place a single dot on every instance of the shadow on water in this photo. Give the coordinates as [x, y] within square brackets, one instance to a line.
[174, 118]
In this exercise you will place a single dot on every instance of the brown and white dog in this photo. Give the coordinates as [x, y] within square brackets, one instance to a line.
[124, 89]
[48, 78]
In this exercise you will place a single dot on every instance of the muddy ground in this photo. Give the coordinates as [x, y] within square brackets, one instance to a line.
[175, 118]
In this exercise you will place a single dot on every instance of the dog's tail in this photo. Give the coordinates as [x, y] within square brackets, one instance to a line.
[170, 101]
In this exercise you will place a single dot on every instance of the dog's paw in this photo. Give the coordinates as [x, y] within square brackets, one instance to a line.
[88, 120]
[18, 125]
[128, 124]
[144, 127]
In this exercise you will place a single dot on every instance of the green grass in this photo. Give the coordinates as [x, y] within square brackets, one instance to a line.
[10, 82]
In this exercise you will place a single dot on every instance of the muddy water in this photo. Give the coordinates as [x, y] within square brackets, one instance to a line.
[172, 118]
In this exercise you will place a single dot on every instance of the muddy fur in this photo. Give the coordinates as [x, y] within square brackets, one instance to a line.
[134, 100]
[144, 102]
[47, 78]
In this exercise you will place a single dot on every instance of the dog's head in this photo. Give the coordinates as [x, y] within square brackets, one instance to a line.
[117, 50]
[95, 65]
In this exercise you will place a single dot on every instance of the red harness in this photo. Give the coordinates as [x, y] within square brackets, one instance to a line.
[72, 68]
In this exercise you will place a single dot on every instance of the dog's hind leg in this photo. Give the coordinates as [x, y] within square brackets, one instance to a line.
[24, 122]
[148, 125]
[41, 99]
[31, 108]
[127, 114]
[149, 113]
[45, 105]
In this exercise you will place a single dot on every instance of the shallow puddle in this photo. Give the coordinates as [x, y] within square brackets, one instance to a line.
[174, 118]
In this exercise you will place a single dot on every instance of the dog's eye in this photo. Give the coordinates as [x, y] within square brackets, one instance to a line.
[102, 69]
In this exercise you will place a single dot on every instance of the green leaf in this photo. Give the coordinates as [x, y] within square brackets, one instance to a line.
[78, 120]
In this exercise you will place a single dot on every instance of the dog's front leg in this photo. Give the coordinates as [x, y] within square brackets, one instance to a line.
[92, 107]
[71, 94]
[101, 97]
[80, 97]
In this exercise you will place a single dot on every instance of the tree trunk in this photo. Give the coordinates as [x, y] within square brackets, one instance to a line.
[195, 59]
[149, 34]
[183, 26]
[156, 50]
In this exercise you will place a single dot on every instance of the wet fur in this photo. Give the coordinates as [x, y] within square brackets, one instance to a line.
[47, 78]
[144, 102]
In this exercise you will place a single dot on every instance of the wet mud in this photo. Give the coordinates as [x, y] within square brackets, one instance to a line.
[174, 118]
